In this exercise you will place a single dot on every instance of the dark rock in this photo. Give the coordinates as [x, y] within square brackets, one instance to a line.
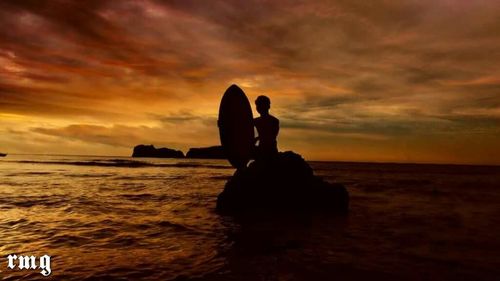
[212, 152]
[150, 151]
[284, 183]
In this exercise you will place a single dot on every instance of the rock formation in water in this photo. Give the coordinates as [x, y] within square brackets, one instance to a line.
[285, 183]
[212, 152]
[150, 151]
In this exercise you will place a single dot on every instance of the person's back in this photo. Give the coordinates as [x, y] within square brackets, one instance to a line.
[267, 128]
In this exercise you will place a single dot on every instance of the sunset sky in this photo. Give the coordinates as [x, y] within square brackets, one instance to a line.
[405, 81]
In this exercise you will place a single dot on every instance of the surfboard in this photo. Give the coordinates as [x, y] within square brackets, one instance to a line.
[236, 127]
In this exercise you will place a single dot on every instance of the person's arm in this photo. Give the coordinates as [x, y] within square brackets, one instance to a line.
[256, 139]
[277, 127]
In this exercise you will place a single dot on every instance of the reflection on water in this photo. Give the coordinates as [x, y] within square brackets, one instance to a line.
[153, 219]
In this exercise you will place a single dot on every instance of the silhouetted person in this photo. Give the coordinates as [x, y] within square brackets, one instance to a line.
[267, 127]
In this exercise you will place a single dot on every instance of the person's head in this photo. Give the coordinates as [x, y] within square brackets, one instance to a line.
[263, 104]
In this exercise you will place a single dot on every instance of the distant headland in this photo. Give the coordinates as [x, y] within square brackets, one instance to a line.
[211, 152]
[151, 151]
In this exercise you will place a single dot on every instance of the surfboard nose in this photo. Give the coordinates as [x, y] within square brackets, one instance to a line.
[233, 87]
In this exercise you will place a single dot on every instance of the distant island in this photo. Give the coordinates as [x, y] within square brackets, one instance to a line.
[151, 151]
[3, 154]
[211, 152]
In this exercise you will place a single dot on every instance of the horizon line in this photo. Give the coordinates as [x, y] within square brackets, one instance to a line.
[308, 160]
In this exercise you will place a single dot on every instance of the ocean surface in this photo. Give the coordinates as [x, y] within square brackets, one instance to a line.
[113, 218]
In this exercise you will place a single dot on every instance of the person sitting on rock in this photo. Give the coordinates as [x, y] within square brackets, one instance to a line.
[267, 127]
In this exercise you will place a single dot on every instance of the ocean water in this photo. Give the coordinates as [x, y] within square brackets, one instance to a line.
[112, 218]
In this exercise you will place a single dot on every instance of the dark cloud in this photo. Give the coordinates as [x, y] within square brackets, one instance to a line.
[116, 136]
[185, 118]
